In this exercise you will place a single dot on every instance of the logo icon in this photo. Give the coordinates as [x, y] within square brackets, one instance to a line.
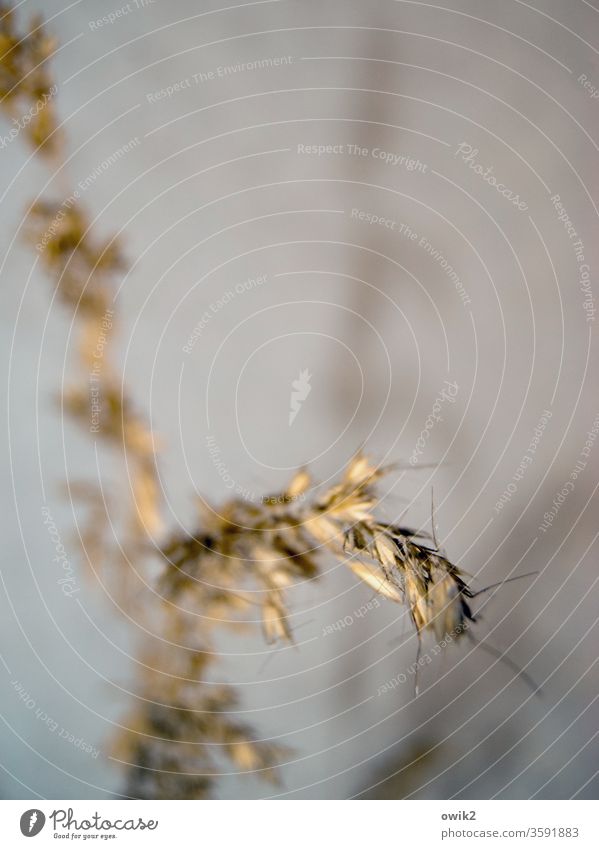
[32, 822]
[300, 390]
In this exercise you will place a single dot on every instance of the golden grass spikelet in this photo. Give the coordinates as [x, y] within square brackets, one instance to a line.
[244, 557]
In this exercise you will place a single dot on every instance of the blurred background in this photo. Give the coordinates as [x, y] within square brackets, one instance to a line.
[369, 192]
